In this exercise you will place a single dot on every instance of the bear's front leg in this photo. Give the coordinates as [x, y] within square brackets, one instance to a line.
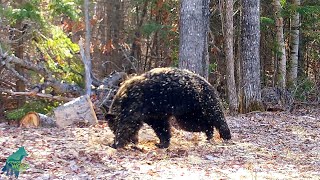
[161, 127]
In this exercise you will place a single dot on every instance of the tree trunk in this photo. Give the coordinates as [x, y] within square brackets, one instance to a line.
[194, 26]
[115, 20]
[87, 60]
[238, 55]
[301, 52]
[293, 71]
[228, 46]
[18, 49]
[250, 57]
[281, 47]
[99, 32]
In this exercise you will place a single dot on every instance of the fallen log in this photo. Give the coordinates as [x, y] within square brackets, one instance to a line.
[75, 111]
[47, 121]
[33, 119]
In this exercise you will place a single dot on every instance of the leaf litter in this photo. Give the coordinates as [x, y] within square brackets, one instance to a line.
[265, 145]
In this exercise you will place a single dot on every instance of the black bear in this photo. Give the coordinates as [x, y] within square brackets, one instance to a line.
[155, 96]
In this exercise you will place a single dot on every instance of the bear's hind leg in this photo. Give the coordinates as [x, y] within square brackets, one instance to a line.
[161, 127]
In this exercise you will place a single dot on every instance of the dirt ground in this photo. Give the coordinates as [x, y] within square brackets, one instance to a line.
[267, 145]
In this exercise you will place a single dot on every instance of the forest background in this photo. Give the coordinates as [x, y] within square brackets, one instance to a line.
[259, 55]
[40, 49]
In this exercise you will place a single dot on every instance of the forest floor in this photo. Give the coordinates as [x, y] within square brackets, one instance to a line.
[265, 145]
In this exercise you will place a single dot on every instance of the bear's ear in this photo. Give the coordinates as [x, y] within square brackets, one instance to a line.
[110, 116]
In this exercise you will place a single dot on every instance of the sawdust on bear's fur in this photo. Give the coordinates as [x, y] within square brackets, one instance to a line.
[155, 96]
[124, 87]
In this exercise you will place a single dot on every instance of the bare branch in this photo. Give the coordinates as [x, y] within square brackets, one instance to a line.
[19, 76]
[41, 95]
[9, 60]
[129, 60]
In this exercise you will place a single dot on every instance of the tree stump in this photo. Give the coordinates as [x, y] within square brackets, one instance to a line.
[75, 111]
[34, 119]
[31, 119]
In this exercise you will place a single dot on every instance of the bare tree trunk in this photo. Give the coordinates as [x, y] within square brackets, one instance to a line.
[238, 55]
[115, 20]
[18, 48]
[98, 35]
[136, 50]
[280, 41]
[194, 26]
[301, 59]
[293, 71]
[87, 60]
[228, 46]
[250, 56]
[20, 85]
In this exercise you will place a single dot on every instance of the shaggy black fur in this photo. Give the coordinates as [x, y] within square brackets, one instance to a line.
[155, 96]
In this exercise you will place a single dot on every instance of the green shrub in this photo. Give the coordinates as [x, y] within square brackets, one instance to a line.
[305, 89]
[39, 106]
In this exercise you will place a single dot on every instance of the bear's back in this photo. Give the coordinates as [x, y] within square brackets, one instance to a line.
[165, 90]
